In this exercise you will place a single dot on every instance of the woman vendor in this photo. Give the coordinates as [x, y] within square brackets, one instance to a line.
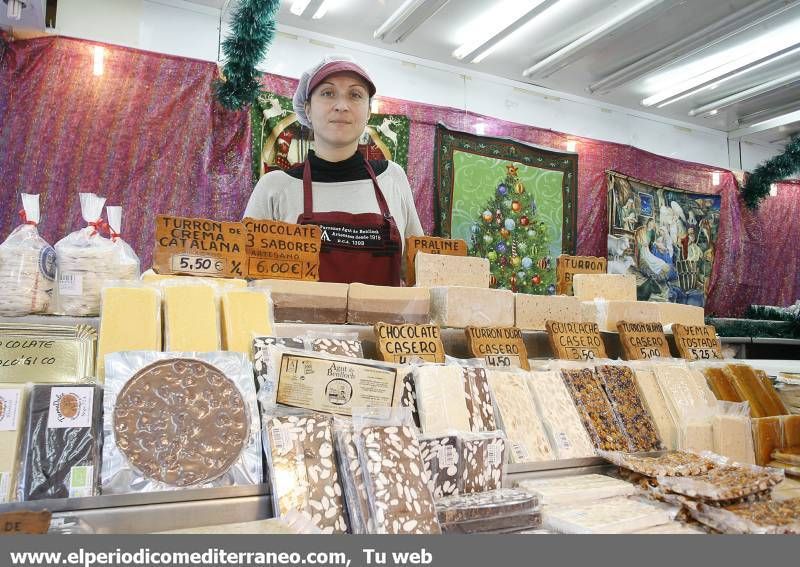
[365, 209]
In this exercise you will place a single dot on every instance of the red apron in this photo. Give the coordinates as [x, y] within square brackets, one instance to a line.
[364, 247]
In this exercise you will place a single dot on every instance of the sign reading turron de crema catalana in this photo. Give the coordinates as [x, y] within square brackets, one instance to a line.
[281, 250]
[199, 247]
[575, 341]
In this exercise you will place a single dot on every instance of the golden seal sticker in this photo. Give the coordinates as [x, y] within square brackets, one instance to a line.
[70, 407]
[400, 343]
[697, 342]
[280, 250]
[567, 266]
[641, 341]
[430, 245]
[575, 341]
[498, 346]
[199, 247]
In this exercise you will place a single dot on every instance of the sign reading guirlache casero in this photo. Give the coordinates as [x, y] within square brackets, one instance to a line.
[575, 341]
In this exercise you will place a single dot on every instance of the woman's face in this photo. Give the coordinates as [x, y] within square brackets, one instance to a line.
[339, 109]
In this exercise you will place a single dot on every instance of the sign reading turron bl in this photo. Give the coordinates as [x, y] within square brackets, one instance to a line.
[279, 250]
[575, 341]
[498, 346]
[199, 247]
[642, 341]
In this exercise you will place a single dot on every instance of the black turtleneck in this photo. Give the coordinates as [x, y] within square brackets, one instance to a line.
[351, 169]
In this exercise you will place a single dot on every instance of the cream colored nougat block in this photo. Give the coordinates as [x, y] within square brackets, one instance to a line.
[434, 270]
[657, 406]
[465, 306]
[150, 277]
[531, 311]
[191, 320]
[733, 438]
[307, 302]
[245, 313]
[670, 313]
[608, 313]
[130, 319]
[618, 287]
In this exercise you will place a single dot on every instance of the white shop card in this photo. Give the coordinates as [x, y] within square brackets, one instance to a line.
[9, 409]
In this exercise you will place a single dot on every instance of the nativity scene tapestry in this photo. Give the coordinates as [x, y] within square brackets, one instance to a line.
[280, 143]
[513, 203]
[664, 236]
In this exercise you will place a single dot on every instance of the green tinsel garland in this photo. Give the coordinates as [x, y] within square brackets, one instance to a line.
[252, 30]
[778, 168]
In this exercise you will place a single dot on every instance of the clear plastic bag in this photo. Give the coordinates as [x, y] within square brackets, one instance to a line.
[484, 457]
[63, 436]
[179, 420]
[405, 394]
[352, 476]
[568, 490]
[261, 356]
[340, 344]
[13, 411]
[440, 398]
[671, 463]
[771, 517]
[85, 259]
[27, 265]
[400, 499]
[304, 473]
[656, 403]
[733, 436]
[500, 503]
[477, 393]
[609, 516]
[127, 262]
[442, 457]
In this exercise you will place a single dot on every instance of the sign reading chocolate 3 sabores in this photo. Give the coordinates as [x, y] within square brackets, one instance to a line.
[199, 247]
[280, 250]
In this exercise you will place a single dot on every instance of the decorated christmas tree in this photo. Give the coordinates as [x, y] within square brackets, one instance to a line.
[514, 239]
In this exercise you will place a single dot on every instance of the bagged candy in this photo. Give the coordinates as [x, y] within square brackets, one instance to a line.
[127, 262]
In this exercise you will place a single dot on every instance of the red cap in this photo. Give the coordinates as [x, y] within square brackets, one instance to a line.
[339, 67]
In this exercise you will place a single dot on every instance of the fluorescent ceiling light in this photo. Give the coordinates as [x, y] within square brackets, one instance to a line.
[497, 24]
[767, 113]
[712, 78]
[746, 94]
[299, 6]
[735, 23]
[322, 10]
[764, 125]
[407, 18]
[310, 9]
[556, 61]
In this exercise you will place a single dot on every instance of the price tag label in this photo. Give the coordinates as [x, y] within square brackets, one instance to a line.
[193, 246]
[575, 341]
[17, 523]
[642, 341]
[280, 250]
[430, 245]
[502, 360]
[567, 266]
[498, 346]
[697, 342]
[401, 343]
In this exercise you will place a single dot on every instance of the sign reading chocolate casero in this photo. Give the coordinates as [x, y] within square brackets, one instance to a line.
[280, 250]
[401, 343]
[642, 341]
[199, 247]
[567, 266]
[697, 342]
[498, 346]
[21, 523]
[575, 341]
[430, 245]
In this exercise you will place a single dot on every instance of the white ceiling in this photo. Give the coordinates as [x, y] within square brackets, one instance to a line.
[660, 26]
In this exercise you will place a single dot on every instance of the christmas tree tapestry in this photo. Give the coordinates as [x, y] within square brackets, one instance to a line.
[513, 203]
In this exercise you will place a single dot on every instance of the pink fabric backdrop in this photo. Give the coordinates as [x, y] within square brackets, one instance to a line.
[149, 136]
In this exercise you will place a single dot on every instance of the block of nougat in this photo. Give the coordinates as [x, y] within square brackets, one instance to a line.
[657, 406]
[791, 430]
[701, 384]
[533, 311]
[772, 400]
[296, 301]
[621, 287]
[464, 306]
[688, 315]
[696, 436]
[608, 313]
[130, 319]
[352, 481]
[191, 320]
[150, 277]
[749, 388]
[434, 270]
[623, 394]
[609, 516]
[370, 304]
[767, 437]
[558, 491]
[405, 394]
[442, 457]
[483, 461]
[520, 419]
[721, 384]
[400, 499]
[440, 401]
[559, 416]
[13, 400]
[478, 396]
[500, 503]
[245, 314]
[733, 438]
[686, 397]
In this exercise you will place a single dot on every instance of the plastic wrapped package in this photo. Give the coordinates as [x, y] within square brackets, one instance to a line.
[567, 490]
[60, 456]
[788, 456]
[595, 410]
[773, 401]
[307, 302]
[13, 401]
[519, 418]
[771, 517]
[733, 432]
[303, 470]
[179, 420]
[440, 400]
[478, 396]
[370, 304]
[706, 395]
[341, 344]
[84, 261]
[352, 478]
[656, 404]
[126, 260]
[400, 500]
[27, 265]
[462, 307]
[405, 394]
[191, 317]
[791, 430]
[513, 524]
[721, 384]
[567, 435]
[483, 461]
[261, 356]
[767, 436]
[149, 277]
[499, 511]
[442, 457]
[697, 435]
[623, 394]
[130, 319]
[609, 516]
[751, 389]
[686, 398]
[244, 314]
[671, 463]
[673, 528]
